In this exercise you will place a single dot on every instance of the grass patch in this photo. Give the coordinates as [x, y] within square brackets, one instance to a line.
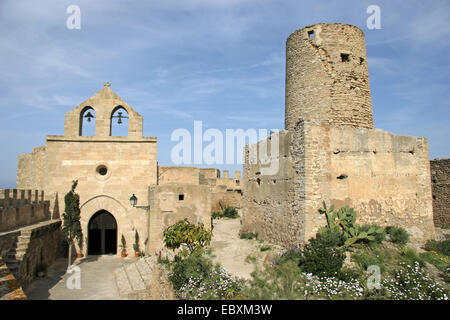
[248, 235]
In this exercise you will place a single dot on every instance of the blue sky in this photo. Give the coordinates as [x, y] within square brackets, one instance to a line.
[219, 61]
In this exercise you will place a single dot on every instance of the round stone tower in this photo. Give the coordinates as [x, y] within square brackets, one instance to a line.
[327, 77]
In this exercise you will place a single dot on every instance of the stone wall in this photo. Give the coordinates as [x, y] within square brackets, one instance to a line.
[44, 247]
[185, 175]
[385, 177]
[224, 189]
[171, 203]
[327, 76]
[269, 201]
[31, 168]
[10, 288]
[20, 208]
[440, 183]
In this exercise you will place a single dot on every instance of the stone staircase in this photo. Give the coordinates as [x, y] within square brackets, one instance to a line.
[15, 255]
[134, 279]
[10, 288]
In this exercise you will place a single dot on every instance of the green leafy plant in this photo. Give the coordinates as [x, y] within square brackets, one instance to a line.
[378, 233]
[344, 222]
[226, 211]
[183, 233]
[397, 235]
[71, 218]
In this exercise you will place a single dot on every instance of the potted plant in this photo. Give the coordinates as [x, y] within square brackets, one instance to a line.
[123, 246]
[137, 251]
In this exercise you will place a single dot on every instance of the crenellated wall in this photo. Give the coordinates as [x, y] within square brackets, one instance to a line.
[19, 208]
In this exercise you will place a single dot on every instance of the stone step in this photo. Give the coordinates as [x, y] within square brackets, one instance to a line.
[123, 284]
[3, 270]
[145, 270]
[136, 281]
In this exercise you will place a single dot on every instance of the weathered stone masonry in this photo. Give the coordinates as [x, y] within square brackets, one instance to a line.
[440, 178]
[330, 151]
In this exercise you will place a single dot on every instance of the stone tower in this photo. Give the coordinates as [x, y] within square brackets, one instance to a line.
[327, 77]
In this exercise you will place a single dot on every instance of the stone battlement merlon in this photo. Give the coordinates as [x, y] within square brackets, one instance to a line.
[19, 197]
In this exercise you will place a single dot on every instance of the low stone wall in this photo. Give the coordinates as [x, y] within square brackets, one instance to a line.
[19, 208]
[43, 248]
[440, 185]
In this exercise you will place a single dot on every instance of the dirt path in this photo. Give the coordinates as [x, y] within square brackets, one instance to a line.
[238, 256]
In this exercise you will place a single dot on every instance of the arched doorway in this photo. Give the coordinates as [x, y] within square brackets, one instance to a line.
[102, 233]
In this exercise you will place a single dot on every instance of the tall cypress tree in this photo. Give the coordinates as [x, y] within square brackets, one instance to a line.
[71, 217]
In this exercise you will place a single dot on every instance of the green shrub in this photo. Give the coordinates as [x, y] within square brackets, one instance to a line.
[265, 248]
[183, 233]
[440, 261]
[275, 282]
[379, 235]
[364, 259]
[293, 254]
[248, 235]
[226, 211]
[193, 266]
[331, 237]
[410, 256]
[397, 235]
[321, 257]
[442, 247]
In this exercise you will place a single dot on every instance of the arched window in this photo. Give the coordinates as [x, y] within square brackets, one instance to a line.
[119, 122]
[87, 121]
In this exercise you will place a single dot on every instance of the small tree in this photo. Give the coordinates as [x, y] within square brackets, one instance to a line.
[184, 233]
[71, 218]
[123, 246]
[136, 243]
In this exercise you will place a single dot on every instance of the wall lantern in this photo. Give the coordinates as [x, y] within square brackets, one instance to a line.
[133, 202]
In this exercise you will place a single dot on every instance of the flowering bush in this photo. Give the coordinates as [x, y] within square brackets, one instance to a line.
[331, 287]
[411, 282]
[217, 285]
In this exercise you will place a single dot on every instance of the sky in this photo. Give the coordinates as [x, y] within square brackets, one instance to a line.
[221, 62]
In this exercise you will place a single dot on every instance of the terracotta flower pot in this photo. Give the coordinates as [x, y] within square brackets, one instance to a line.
[80, 255]
[123, 255]
[137, 254]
